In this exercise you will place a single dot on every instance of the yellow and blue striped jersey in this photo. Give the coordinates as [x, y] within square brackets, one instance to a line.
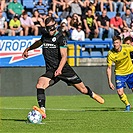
[122, 60]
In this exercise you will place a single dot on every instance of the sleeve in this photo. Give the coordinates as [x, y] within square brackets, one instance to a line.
[21, 20]
[62, 41]
[31, 22]
[130, 48]
[10, 6]
[11, 23]
[107, 18]
[99, 18]
[111, 21]
[74, 35]
[83, 36]
[109, 61]
[22, 8]
[19, 24]
[42, 38]
[121, 22]
[123, 17]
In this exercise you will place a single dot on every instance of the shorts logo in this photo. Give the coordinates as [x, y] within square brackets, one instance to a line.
[117, 81]
[72, 78]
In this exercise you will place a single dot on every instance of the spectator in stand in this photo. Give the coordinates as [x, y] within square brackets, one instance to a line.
[38, 21]
[74, 21]
[2, 5]
[28, 25]
[106, 4]
[15, 26]
[103, 24]
[6, 4]
[58, 5]
[127, 4]
[78, 34]
[118, 5]
[127, 19]
[64, 29]
[51, 14]
[116, 24]
[125, 33]
[65, 10]
[91, 27]
[41, 7]
[4, 26]
[15, 8]
[131, 6]
[75, 6]
[89, 4]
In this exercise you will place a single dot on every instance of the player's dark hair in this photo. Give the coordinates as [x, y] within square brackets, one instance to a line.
[127, 38]
[48, 20]
[116, 38]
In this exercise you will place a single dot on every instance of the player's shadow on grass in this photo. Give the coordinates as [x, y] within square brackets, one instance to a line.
[20, 120]
[103, 109]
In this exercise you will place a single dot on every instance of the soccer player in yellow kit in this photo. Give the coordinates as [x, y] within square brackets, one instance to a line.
[120, 55]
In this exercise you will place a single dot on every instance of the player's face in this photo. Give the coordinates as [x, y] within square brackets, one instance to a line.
[117, 45]
[128, 42]
[51, 28]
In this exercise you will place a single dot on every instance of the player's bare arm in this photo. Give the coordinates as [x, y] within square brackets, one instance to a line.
[63, 52]
[109, 75]
[34, 46]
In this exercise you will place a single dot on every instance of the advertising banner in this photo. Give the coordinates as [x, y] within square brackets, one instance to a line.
[11, 49]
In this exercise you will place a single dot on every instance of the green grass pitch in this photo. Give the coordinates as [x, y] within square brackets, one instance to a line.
[67, 114]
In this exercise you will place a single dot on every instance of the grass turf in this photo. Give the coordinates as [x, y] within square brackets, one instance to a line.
[67, 114]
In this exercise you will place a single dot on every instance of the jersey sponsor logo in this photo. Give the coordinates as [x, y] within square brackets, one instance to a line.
[49, 45]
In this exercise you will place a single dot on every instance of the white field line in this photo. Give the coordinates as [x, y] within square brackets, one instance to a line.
[59, 109]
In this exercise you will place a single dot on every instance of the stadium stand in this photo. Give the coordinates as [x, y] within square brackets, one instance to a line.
[28, 4]
[95, 54]
[105, 53]
[85, 53]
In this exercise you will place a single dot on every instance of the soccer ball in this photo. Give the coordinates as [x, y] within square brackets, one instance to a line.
[34, 117]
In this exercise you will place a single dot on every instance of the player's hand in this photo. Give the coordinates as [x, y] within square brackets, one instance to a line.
[57, 72]
[25, 54]
[111, 86]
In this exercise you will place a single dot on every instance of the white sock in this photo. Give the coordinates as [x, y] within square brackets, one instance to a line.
[43, 109]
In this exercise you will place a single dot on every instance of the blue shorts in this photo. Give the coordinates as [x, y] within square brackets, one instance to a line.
[121, 81]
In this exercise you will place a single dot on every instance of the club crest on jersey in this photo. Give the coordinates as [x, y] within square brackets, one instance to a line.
[53, 39]
[124, 53]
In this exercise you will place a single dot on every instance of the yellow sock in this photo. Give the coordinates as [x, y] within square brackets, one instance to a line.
[124, 99]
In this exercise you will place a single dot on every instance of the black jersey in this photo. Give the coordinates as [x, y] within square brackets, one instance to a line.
[51, 49]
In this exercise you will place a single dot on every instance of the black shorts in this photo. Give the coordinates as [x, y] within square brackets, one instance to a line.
[68, 75]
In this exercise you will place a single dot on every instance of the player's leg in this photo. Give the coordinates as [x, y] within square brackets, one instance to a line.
[120, 85]
[71, 78]
[42, 84]
[130, 81]
[86, 90]
[123, 98]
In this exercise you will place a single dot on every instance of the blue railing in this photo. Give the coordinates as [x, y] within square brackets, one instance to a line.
[89, 44]
[11, 49]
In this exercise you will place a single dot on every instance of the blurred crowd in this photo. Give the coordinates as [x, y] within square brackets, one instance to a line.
[77, 19]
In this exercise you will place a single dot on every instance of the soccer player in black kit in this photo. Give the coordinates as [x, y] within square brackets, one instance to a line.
[57, 68]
